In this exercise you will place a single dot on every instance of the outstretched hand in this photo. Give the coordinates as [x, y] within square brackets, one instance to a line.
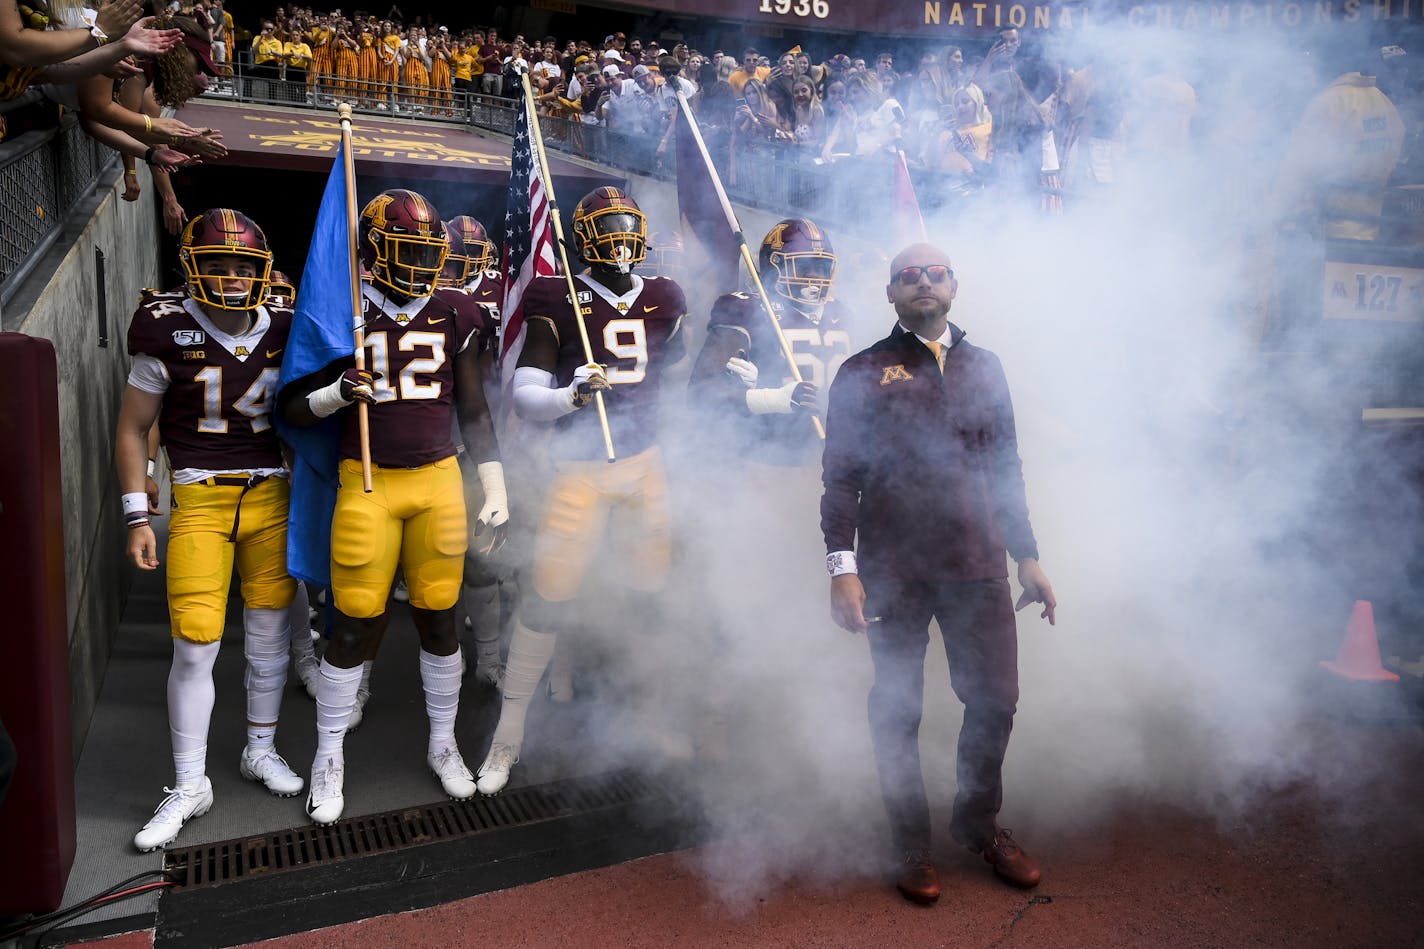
[1036, 589]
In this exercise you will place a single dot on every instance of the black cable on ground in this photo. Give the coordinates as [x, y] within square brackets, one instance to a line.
[103, 897]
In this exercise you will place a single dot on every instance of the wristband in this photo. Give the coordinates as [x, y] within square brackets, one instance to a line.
[327, 400]
[99, 35]
[147, 125]
[491, 475]
[135, 502]
[771, 401]
[840, 561]
[152, 467]
[148, 155]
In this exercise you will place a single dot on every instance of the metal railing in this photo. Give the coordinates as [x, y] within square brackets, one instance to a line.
[43, 176]
[784, 179]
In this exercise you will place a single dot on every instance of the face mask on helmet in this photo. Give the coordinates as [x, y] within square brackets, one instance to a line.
[616, 238]
[403, 243]
[469, 255]
[225, 260]
[805, 279]
[407, 263]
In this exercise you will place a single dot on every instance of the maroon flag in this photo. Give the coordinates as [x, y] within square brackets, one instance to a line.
[528, 240]
[700, 202]
[908, 221]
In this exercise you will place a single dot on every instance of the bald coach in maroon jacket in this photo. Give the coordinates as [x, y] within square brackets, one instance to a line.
[921, 460]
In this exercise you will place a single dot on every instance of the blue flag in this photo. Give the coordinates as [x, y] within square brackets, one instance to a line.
[321, 334]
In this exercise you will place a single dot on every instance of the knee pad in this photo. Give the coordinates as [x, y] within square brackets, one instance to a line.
[266, 674]
[361, 601]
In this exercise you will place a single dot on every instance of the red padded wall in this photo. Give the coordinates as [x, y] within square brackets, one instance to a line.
[37, 823]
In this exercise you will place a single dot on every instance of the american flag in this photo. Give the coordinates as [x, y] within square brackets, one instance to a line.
[528, 240]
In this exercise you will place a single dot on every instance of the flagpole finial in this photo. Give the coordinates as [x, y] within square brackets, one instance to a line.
[343, 112]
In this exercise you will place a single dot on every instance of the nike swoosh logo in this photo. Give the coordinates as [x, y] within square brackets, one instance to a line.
[272, 352]
[649, 309]
[441, 320]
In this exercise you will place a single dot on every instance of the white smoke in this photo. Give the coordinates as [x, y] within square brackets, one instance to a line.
[1190, 492]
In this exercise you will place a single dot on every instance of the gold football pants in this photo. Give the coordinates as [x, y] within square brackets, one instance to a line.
[414, 517]
[576, 511]
[201, 553]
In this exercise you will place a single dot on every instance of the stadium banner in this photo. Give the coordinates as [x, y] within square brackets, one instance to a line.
[928, 19]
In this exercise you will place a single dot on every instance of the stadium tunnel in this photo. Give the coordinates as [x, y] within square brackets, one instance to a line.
[278, 162]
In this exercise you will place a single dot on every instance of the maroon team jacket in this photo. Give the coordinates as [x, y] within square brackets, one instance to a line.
[924, 467]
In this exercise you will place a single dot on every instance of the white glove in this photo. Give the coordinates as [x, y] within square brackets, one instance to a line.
[496, 508]
[790, 398]
[744, 370]
[588, 379]
[489, 524]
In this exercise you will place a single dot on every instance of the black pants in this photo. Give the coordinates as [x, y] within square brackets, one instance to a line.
[977, 621]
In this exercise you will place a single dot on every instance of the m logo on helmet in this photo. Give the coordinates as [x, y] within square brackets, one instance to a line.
[376, 210]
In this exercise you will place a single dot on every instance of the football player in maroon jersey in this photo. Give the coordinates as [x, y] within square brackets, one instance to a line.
[469, 269]
[742, 368]
[205, 365]
[633, 325]
[424, 370]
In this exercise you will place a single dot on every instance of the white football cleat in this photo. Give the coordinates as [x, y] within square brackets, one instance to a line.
[308, 669]
[454, 777]
[272, 771]
[401, 593]
[180, 806]
[325, 800]
[494, 773]
[358, 711]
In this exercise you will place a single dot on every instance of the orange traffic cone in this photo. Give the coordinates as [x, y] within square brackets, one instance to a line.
[1359, 656]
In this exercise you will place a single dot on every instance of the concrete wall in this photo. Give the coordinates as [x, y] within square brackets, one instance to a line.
[59, 301]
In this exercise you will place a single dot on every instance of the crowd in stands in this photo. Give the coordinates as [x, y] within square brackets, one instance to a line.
[1015, 123]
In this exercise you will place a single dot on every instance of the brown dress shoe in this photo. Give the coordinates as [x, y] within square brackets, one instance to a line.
[1011, 864]
[918, 881]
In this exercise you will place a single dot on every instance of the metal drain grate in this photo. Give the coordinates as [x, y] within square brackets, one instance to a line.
[300, 847]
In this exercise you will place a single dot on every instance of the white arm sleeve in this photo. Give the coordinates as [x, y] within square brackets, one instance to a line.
[148, 375]
[536, 399]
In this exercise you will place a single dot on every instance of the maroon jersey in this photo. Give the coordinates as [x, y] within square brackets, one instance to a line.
[635, 336]
[414, 355]
[819, 347]
[487, 294]
[216, 412]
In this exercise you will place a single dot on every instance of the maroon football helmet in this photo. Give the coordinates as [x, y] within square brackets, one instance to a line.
[471, 251]
[800, 255]
[281, 290]
[610, 230]
[665, 254]
[225, 233]
[402, 242]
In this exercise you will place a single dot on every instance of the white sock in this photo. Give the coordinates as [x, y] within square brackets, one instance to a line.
[190, 709]
[529, 654]
[441, 677]
[265, 645]
[335, 698]
[299, 617]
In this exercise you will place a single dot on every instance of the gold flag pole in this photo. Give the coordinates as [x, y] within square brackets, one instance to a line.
[746, 252]
[358, 325]
[538, 138]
